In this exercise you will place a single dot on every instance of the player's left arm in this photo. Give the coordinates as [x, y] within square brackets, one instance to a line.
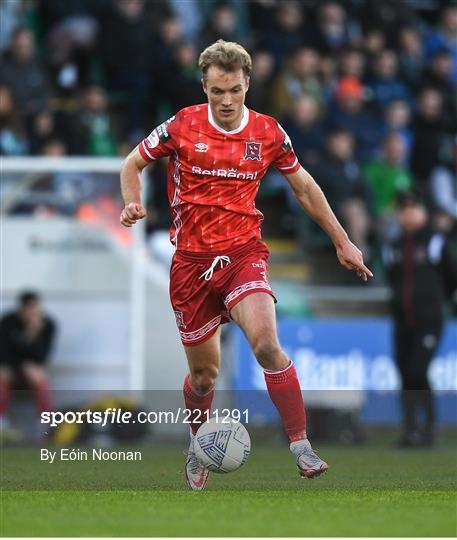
[314, 203]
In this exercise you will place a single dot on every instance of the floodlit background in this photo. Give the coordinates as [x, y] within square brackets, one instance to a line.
[366, 90]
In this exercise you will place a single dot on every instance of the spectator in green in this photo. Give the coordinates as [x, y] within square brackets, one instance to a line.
[389, 174]
[387, 177]
[97, 131]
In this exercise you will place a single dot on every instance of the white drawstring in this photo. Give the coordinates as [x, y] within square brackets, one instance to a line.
[219, 259]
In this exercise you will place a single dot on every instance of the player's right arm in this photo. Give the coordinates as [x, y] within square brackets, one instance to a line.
[159, 143]
[131, 169]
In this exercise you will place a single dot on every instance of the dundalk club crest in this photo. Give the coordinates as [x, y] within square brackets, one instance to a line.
[253, 150]
[180, 319]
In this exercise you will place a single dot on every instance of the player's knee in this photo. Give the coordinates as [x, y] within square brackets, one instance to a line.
[205, 379]
[268, 352]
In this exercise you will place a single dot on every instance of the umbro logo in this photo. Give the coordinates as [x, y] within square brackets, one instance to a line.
[201, 147]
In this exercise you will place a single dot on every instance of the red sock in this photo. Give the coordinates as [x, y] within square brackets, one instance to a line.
[284, 390]
[196, 402]
[43, 398]
[5, 394]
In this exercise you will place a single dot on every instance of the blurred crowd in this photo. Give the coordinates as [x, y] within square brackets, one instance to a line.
[366, 89]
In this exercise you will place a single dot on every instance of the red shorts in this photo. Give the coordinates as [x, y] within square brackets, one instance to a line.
[205, 287]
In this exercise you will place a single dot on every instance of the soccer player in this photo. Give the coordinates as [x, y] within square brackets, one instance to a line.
[219, 152]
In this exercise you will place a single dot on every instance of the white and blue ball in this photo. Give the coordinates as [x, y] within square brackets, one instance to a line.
[222, 445]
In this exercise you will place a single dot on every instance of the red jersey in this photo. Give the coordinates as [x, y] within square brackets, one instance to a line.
[214, 175]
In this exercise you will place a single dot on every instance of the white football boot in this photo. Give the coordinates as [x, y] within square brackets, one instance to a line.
[309, 463]
[196, 475]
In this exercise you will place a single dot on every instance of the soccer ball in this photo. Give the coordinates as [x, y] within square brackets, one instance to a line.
[222, 445]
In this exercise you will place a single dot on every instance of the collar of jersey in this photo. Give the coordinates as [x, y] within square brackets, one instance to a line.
[244, 122]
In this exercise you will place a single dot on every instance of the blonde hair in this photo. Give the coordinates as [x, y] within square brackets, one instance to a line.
[226, 55]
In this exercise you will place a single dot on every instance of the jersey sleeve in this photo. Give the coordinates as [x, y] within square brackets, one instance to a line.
[160, 142]
[285, 159]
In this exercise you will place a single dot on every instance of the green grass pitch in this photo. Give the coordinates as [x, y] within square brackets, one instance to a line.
[367, 492]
